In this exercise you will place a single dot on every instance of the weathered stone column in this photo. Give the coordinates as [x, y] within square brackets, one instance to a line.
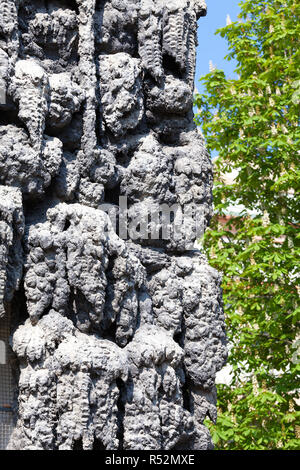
[116, 319]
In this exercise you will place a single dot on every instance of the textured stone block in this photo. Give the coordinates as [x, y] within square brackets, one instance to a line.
[117, 317]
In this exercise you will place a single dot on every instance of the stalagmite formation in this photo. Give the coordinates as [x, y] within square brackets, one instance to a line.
[115, 318]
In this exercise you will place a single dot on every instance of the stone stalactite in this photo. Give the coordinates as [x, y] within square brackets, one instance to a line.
[116, 319]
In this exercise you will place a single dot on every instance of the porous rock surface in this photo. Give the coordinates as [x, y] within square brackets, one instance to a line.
[117, 338]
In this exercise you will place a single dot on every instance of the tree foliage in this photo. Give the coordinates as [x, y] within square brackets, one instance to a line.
[252, 122]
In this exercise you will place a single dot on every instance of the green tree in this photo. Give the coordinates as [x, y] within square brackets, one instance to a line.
[252, 122]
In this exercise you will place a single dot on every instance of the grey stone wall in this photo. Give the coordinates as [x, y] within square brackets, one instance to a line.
[116, 321]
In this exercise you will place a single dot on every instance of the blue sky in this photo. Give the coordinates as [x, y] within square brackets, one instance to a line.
[212, 47]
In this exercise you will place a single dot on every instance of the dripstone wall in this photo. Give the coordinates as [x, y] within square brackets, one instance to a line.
[116, 338]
